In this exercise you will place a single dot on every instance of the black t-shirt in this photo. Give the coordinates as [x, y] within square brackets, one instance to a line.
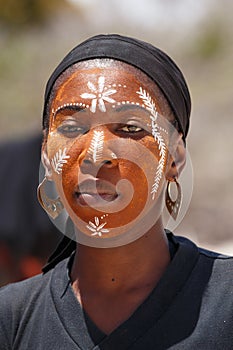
[190, 308]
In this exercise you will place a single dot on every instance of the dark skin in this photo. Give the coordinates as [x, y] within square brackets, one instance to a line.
[111, 283]
[119, 279]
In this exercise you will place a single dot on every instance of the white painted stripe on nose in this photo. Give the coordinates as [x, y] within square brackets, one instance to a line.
[96, 146]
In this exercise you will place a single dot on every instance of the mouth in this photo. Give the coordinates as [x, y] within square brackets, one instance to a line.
[94, 192]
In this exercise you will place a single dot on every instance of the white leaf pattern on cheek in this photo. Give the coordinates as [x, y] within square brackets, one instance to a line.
[59, 160]
[162, 153]
[99, 95]
[150, 106]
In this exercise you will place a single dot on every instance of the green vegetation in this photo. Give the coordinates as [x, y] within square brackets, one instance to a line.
[21, 13]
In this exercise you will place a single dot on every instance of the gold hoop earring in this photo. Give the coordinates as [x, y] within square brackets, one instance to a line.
[53, 207]
[173, 206]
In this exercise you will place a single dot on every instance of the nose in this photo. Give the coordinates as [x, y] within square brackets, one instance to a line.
[97, 153]
[105, 161]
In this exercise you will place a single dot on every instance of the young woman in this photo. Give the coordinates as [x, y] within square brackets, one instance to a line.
[115, 120]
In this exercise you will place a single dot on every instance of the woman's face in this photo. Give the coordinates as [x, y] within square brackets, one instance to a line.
[108, 148]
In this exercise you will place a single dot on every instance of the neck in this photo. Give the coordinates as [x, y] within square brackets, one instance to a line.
[109, 270]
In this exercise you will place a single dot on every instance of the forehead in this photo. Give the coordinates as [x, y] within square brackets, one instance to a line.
[96, 77]
[114, 69]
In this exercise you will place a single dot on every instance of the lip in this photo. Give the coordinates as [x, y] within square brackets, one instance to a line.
[91, 191]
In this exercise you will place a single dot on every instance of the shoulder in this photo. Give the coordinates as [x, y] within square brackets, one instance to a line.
[205, 253]
[23, 289]
[15, 297]
[220, 266]
[222, 269]
[20, 296]
[28, 303]
[17, 300]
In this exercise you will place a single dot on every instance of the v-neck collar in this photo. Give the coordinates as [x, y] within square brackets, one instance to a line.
[146, 315]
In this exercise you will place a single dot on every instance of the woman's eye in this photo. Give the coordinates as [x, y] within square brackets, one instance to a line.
[131, 129]
[71, 130]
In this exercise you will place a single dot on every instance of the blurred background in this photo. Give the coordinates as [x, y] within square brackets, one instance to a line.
[198, 34]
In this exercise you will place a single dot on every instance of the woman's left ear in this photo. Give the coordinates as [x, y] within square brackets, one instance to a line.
[176, 160]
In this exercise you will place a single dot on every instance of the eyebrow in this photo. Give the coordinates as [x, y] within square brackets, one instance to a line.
[71, 107]
[130, 106]
[79, 107]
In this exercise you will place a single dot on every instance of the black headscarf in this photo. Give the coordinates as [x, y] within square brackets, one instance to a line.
[149, 59]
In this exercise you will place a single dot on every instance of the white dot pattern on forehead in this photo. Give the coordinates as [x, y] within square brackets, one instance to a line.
[72, 104]
[115, 85]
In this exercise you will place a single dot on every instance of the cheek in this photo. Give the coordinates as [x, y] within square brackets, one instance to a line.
[61, 153]
[139, 175]
[137, 162]
[151, 146]
[69, 176]
[68, 183]
[55, 143]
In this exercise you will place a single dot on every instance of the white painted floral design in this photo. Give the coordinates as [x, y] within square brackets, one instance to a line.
[59, 160]
[99, 95]
[150, 106]
[96, 228]
[96, 146]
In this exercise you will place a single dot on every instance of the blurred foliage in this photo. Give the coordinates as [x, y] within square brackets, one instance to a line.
[211, 40]
[21, 13]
